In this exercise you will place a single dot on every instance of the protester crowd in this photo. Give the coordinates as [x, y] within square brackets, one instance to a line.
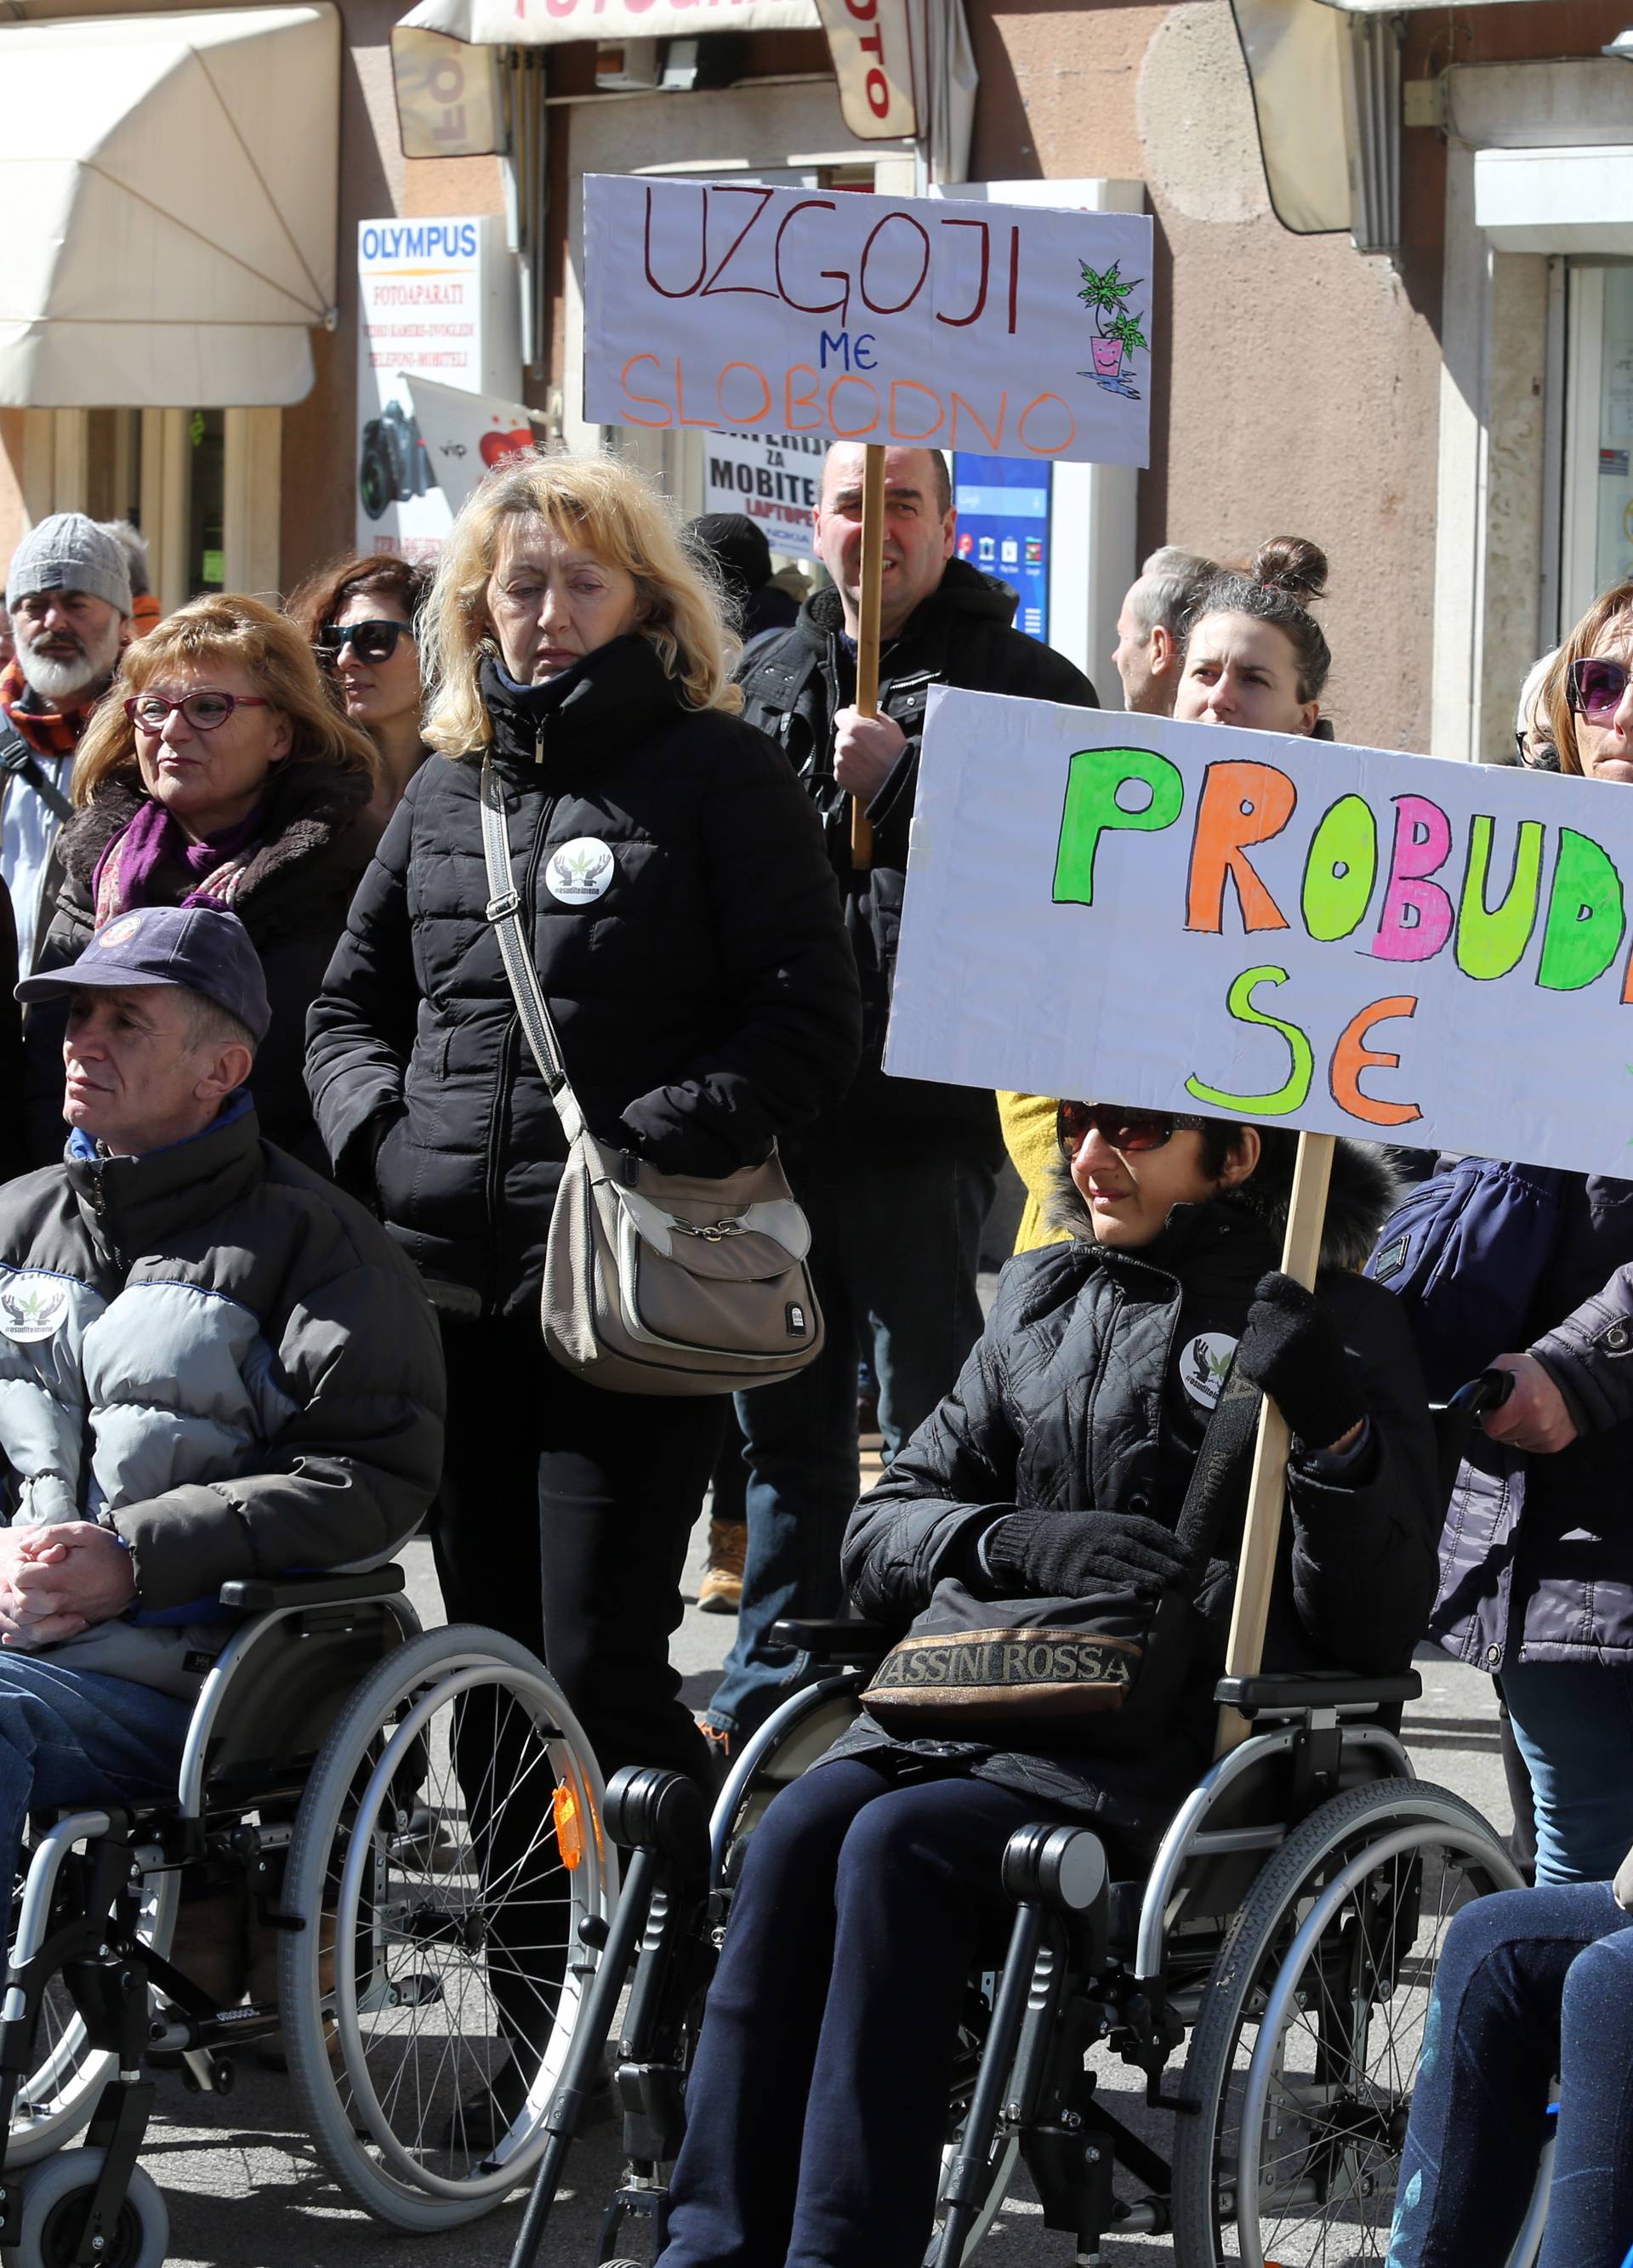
[276, 1085]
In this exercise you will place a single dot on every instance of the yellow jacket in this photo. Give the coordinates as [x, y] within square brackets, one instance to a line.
[1028, 1122]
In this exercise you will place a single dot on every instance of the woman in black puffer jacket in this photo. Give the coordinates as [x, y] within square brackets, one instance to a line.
[1055, 1471]
[687, 933]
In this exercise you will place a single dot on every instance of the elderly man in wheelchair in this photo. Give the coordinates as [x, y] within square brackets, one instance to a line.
[214, 1369]
[1017, 1849]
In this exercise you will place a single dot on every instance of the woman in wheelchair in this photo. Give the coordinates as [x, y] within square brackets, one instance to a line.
[1056, 1469]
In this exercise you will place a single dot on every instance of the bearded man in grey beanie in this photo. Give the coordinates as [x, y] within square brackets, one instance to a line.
[68, 593]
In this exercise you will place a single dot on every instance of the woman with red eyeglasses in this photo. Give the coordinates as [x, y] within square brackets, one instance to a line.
[218, 771]
[361, 618]
[1537, 1562]
[1055, 1469]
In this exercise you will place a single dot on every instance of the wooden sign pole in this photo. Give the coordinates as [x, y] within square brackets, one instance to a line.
[1301, 1254]
[867, 628]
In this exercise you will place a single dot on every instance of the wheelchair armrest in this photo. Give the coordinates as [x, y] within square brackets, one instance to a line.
[260, 1595]
[836, 1644]
[1290, 1695]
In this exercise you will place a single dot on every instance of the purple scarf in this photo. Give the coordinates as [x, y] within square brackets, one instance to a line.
[150, 839]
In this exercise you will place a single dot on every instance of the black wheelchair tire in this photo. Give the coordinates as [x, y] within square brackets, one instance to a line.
[1345, 1830]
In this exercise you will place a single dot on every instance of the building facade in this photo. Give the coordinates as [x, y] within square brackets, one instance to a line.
[1448, 412]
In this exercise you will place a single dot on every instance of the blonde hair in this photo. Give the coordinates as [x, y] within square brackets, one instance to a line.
[613, 511]
[271, 652]
[1554, 702]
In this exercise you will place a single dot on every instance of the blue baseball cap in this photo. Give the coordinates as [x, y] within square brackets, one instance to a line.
[199, 949]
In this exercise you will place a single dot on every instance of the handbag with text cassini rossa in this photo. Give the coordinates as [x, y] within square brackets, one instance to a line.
[985, 1668]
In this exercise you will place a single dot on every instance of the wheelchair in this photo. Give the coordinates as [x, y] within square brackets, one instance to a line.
[408, 1823]
[1266, 1974]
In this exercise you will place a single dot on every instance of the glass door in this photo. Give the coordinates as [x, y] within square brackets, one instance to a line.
[1596, 538]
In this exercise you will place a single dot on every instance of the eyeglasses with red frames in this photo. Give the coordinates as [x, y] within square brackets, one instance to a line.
[205, 712]
[1120, 1129]
[1595, 687]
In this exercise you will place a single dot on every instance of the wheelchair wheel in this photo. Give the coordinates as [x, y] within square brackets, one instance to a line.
[445, 1855]
[56, 2197]
[1307, 2046]
[56, 2101]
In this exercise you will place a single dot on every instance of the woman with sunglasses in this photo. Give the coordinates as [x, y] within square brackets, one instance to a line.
[361, 617]
[1055, 1469]
[217, 772]
[1537, 1566]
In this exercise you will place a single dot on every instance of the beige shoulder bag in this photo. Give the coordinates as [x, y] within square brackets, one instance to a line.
[653, 1283]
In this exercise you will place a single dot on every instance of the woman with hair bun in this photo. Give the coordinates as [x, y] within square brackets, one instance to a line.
[1254, 654]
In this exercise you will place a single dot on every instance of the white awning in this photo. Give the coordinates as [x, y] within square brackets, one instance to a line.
[444, 53]
[543, 23]
[170, 187]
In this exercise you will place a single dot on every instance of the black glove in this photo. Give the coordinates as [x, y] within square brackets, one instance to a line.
[1069, 1555]
[1291, 1348]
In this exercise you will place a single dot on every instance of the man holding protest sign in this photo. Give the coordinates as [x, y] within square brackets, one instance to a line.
[899, 1179]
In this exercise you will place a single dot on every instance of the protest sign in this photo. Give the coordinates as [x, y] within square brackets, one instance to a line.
[1014, 330]
[772, 477]
[1346, 939]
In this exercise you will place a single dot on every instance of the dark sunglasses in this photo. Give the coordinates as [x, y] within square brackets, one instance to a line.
[1122, 1129]
[1596, 687]
[373, 641]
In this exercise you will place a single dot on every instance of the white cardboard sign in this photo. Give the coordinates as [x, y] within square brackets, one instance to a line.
[1126, 909]
[1017, 331]
[772, 477]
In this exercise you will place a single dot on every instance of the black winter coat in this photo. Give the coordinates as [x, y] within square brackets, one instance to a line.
[1077, 1398]
[292, 901]
[703, 991]
[1557, 1584]
[793, 685]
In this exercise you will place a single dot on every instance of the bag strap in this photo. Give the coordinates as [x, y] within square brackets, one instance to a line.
[1221, 1468]
[504, 911]
[17, 758]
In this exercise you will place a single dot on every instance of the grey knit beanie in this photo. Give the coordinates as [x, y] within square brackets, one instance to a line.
[69, 552]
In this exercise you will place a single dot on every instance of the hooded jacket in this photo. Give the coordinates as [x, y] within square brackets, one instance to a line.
[793, 685]
[213, 1345]
[1537, 1553]
[292, 900]
[687, 936]
[1091, 1390]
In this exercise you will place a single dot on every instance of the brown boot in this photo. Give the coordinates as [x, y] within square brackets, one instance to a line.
[721, 1591]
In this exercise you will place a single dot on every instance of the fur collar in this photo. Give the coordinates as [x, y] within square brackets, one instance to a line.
[1363, 1195]
[309, 806]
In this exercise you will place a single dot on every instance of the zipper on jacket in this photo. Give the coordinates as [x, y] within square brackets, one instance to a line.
[538, 742]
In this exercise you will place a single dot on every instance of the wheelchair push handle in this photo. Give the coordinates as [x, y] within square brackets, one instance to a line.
[1490, 1391]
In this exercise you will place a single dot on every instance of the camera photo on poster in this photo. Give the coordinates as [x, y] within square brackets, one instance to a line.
[438, 301]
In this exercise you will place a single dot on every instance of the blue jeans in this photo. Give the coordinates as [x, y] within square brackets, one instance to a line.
[1530, 1983]
[895, 1253]
[1574, 1724]
[72, 1736]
